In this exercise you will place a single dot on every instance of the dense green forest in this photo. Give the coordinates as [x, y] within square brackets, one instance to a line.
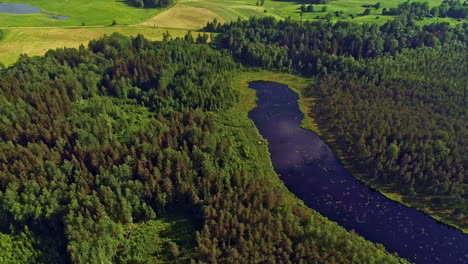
[127, 152]
[312, 48]
[393, 96]
[150, 3]
[404, 123]
[448, 8]
[318, 2]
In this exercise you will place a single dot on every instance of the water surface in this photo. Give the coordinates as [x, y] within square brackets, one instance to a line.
[22, 9]
[310, 171]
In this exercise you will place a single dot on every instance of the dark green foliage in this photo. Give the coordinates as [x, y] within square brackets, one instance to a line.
[96, 144]
[169, 240]
[376, 6]
[319, 48]
[18, 248]
[150, 3]
[448, 8]
[404, 121]
[317, 2]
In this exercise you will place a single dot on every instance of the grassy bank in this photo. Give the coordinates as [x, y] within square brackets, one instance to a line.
[235, 124]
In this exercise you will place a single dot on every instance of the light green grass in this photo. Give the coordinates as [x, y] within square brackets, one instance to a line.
[100, 12]
[36, 41]
[105, 11]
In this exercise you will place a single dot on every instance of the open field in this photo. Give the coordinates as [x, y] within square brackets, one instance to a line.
[183, 16]
[186, 13]
[34, 34]
[36, 41]
[232, 9]
[80, 11]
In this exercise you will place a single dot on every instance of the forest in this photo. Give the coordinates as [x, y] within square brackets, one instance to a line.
[317, 2]
[100, 144]
[393, 96]
[448, 8]
[150, 3]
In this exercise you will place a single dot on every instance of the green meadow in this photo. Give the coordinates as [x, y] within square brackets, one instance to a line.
[90, 13]
[232, 9]
[33, 34]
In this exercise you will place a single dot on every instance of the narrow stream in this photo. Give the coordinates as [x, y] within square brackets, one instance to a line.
[310, 171]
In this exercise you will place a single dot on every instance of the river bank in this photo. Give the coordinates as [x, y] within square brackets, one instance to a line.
[310, 170]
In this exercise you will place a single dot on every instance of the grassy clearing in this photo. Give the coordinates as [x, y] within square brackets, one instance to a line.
[36, 41]
[183, 16]
[80, 11]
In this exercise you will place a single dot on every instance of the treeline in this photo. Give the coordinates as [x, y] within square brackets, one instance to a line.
[448, 8]
[317, 2]
[150, 3]
[319, 47]
[404, 123]
[95, 141]
[394, 96]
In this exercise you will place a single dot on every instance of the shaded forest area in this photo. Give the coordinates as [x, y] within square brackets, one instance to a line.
[99, 145]
[150, 3]
[419, 10]
[393, 96]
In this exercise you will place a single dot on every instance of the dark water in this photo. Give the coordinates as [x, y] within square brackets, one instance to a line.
[310, 171]
[21, 9]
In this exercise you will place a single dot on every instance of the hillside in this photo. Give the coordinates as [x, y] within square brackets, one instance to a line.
[126, 137]
[34, 34]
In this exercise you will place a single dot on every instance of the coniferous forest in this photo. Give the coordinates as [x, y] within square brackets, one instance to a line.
[103, 146]
[150, 3]
[99, 143]
[394, 97]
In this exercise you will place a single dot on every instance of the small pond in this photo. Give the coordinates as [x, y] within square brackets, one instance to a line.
[22, 9]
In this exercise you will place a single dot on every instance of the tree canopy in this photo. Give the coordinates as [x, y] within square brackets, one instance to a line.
[98, 144]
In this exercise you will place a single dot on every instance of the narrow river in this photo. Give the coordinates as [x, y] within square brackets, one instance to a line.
[310, 170]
